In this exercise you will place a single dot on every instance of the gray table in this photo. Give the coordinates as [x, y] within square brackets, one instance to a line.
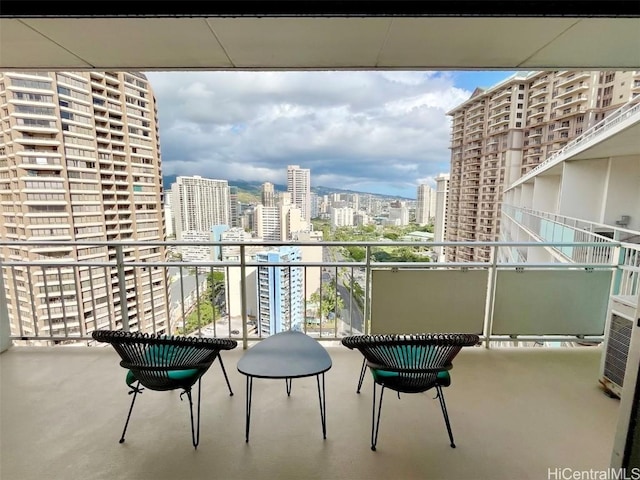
[286, 355]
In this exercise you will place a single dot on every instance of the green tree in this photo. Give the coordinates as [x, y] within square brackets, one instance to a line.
[330, 301]
[357, 254]
[207, 313]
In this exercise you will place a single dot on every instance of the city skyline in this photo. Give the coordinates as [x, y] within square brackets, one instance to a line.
[372, 132]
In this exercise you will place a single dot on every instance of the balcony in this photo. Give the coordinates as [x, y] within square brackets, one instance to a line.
[569, 77]
[509, 418]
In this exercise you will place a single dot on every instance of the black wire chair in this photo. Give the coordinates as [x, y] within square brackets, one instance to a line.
[166, 363]
[409, 364]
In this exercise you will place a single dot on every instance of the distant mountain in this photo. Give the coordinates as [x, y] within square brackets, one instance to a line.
[253, 189]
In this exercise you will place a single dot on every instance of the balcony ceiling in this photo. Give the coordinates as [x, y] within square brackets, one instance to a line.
[261, 37]
[621, 144]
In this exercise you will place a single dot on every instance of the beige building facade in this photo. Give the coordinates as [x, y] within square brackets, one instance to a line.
[80, 161]
[501, 133]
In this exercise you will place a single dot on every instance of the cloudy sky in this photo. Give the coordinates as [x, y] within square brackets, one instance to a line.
[379, 132]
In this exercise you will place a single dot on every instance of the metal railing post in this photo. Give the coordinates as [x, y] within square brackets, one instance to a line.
[491, 291]
[124, 311]
[5, 327]
[243, 299]
[366, 320]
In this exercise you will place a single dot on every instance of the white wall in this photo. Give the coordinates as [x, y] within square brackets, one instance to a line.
[623, 192]
[546, 191]
[515, 199]
[513, 162]
[582, 191]
[526, 195]
[234, 296]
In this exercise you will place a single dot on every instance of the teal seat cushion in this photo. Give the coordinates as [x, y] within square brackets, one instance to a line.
[409, 353]
[162, 355]
[444, 378]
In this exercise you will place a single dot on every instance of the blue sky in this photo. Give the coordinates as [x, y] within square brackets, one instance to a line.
[381, 132]
[469, 80]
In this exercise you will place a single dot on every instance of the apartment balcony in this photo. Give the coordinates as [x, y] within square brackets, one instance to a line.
[572, 101]
[564, 111]
[504, 122]
[501, 95]
[572, 90]
[537, 92]
[538, 101]
[497, 112]
[569, 77]
[537, 114]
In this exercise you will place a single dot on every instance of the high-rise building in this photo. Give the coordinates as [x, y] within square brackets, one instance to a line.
[299, 187]
[199, 203]
[398, 214]
[268, 195]
[425, 205]
[280, 291]
[503, 132]
[315, 205]
[440, 223]
[342, 217]
[278, 223]
[80, 161]
[234, 207]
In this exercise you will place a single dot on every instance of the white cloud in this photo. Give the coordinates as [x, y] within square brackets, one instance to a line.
[374, 131]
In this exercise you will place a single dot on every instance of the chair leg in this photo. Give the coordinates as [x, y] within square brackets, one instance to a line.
[225, 375]
[375, 424]
[195, 430]
[445, 414]
[363, 371]
[135, 390]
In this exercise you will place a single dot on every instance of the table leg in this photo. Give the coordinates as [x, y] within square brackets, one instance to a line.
[249, 391]
[287, 382]
[323, 405]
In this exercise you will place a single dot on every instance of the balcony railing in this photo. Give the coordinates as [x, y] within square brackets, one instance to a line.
[340, 296]
[547, 226]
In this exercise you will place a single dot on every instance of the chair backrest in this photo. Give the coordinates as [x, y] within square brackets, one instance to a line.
[152, 357]
[415, 353]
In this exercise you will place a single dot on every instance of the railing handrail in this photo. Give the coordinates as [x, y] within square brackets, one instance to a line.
[139, 244]
[550, 215]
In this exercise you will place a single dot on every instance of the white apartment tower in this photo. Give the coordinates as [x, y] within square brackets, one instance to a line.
[80, 161]
[199, 204]
[425, 205]
[278, 223]
[501, 133]
[440, 223]
[342, 217]
[299, 187]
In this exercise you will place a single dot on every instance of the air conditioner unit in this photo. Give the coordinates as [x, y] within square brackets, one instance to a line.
[616, 353]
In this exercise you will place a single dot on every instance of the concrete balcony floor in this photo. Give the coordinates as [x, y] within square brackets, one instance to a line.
[515, 413]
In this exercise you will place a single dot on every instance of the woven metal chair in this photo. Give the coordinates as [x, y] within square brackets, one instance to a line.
[409, 364]
[166, 363]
